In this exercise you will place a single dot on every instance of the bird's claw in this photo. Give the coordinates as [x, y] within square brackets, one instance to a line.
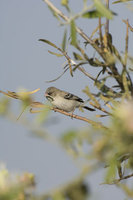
[72, 116]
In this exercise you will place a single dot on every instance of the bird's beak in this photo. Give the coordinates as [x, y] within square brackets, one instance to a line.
[48, 97]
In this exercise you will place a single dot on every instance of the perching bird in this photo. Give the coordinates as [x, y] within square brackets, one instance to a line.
[65, 101]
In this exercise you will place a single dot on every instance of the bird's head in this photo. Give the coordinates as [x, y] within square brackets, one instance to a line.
[50, 93]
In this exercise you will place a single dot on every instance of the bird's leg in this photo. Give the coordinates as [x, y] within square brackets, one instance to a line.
[72, 113]
[55, 108]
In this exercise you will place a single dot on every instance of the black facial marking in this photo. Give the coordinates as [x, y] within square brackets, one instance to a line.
[49, 93]
[49, 98]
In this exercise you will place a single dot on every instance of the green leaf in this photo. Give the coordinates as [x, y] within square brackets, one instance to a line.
[73, 33]
[94, 14]
[41, 118]
[4, 105]
[64, 40]
[48, 42]
[85, 2]
[56, 54]
[77, 56]
[53, 12]
[111, 172]
[69, 136]
[64, 2]
[101, 8]
[126, 84]
[92, 97]
[121, 1]
[58, 196]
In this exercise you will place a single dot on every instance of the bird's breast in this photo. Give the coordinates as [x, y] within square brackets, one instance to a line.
[65, 104]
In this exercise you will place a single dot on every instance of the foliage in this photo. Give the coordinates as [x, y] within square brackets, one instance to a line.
[111, 143]
[13, 186]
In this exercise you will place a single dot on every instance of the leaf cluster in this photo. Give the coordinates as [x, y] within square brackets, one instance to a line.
[109, 142]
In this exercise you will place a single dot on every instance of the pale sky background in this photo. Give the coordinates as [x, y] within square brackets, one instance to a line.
[25, 62]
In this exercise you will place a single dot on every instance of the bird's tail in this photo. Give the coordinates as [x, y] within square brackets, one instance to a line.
[87, 108]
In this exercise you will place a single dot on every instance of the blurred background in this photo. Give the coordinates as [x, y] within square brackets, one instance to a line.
[26, 63]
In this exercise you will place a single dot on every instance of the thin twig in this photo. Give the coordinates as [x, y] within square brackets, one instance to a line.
[86, 73]
[100, 33]
[126, 54]
[99, 108]
[63, 52]
[58, 76]
[107, 21]
[92, 78]
[130, 27]
[58, 12]
[93, 123]
[126, 46]
[116, 181]
[41, 105]
[95, 31]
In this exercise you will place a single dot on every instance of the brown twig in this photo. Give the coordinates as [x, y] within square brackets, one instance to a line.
[126, 54]
[116, 181]
[93, 123]
[58, 76]
[63, 52]
[41, 105]
[126, 45]
[86, 73]
[99, 108]
[95, 31]
[107, 21]
[94, 79]
[83, 53]
[130, 27]
[100, 33]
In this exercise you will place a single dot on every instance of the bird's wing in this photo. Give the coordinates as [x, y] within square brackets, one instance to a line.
[70, 96]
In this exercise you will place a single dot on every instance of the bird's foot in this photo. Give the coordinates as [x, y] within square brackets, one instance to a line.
[72, 115]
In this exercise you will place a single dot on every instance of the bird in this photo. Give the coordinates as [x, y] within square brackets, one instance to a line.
[64, 100]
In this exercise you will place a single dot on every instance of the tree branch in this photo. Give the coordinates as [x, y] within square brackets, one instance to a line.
[91, 42]
[126, 45]
[58, 12]
[130, 27]
[116, 181]
[100, 33]
[41, 105]
[107, 21]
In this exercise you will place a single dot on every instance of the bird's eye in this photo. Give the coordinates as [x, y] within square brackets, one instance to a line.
[49, 93]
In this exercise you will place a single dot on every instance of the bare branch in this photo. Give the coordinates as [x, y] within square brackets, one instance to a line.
[130, 27]
[126, 45]
[63, 52]
[86, 73]
[100, 33]
[41, 105]
[107, 21]
[116, 181]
